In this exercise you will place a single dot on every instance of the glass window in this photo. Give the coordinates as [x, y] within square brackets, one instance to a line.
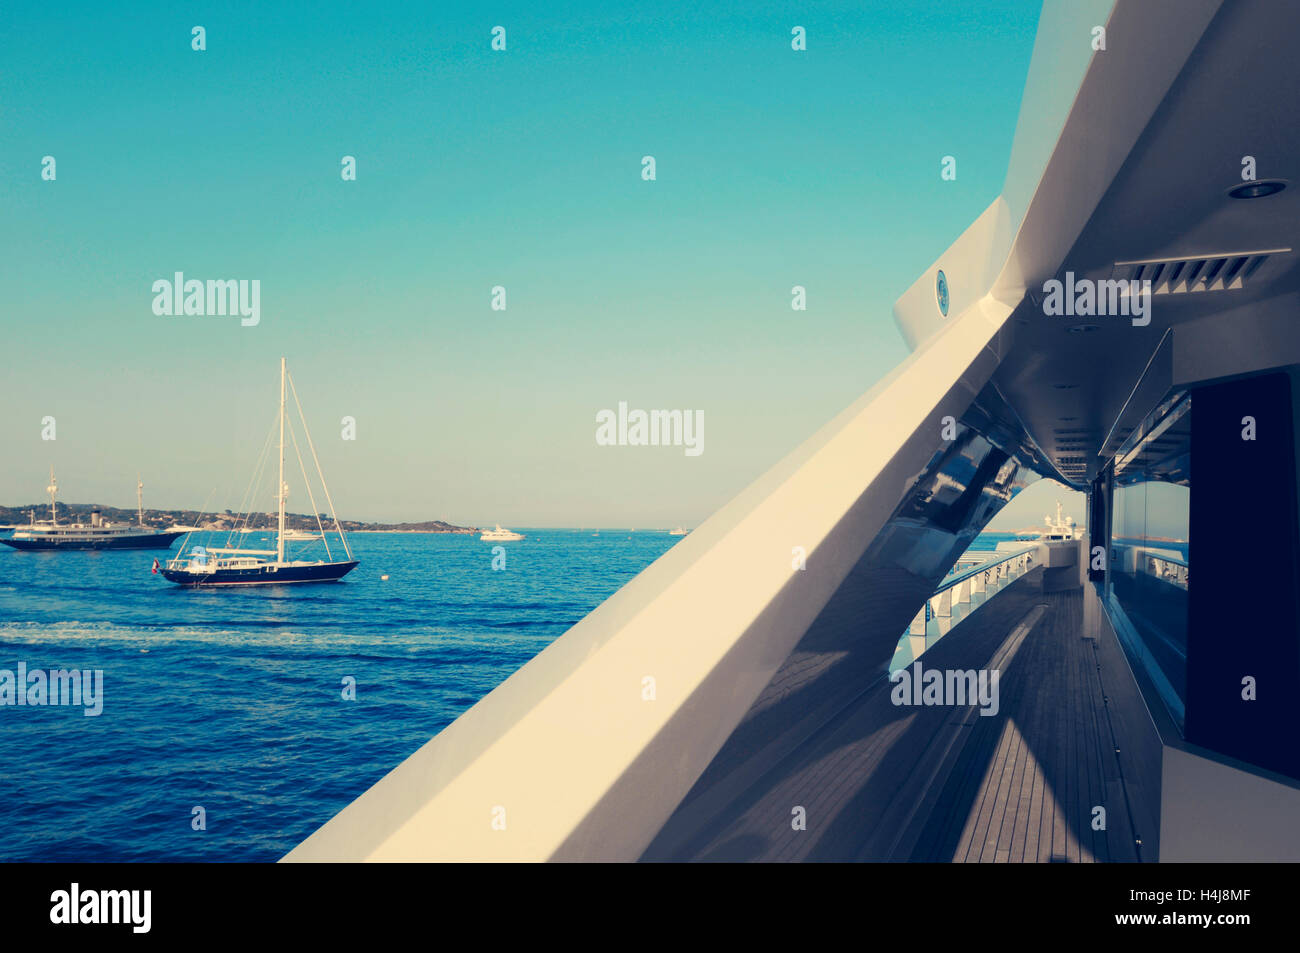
[1150, 548]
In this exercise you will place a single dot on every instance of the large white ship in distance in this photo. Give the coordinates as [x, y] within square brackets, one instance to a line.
[97, 534]
[1169, 707]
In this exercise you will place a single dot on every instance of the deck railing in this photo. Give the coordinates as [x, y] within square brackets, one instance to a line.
[956, 598]
[1169, 569]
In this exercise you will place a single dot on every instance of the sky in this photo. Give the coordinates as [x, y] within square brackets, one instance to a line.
[1037, 500]
[476, 168]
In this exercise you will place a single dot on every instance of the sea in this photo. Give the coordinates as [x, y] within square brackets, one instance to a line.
[224, 733]
[236, 722]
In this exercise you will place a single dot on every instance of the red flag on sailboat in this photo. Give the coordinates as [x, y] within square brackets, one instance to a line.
[155, 567]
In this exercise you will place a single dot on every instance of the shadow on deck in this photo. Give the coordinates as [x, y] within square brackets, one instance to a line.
[880, 782]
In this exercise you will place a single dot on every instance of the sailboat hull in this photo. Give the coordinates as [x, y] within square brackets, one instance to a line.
[264, 575]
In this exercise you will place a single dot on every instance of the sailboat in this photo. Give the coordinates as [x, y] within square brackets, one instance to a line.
[210, 566]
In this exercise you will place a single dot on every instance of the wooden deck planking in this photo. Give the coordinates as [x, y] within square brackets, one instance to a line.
[1098, 736]
[942, 784]
[1050, 764]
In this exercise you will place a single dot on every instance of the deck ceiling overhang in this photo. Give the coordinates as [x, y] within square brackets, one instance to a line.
[1138, 186]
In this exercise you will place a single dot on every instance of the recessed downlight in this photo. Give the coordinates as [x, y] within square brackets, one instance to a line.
[1257, 189]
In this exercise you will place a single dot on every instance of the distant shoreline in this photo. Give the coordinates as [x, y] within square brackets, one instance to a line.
[219, 522]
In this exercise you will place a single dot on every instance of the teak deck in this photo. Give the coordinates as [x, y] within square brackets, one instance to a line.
[932, 783]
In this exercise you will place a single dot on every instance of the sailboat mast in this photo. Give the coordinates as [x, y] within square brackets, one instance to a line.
[139, 498]
[279, 536]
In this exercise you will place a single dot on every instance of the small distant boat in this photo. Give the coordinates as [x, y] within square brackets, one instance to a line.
[97, 534]
[678, 531]
[300, 534]
[215, 567]
[500, 535]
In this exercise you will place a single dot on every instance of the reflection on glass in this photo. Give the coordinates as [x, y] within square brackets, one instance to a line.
[1150, 543]
[964, 485]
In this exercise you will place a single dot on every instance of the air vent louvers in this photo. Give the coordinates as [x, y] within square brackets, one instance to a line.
[1190, 275]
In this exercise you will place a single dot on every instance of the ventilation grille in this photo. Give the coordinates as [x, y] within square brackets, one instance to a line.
[1189, 275]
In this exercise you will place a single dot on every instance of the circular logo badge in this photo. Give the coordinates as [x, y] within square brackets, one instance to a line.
[941, 293]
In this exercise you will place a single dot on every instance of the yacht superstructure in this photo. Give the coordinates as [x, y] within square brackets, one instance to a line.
[775, 730]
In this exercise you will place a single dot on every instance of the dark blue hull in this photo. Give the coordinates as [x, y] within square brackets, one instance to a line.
[262, 575]
[142, 541]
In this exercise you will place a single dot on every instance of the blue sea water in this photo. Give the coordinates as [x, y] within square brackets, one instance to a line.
[988, 541]
[231, 700]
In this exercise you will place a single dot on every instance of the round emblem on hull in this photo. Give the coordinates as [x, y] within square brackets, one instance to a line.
[941, 293]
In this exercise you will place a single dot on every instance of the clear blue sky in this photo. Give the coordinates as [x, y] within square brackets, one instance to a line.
[1037, 500]
[476, 168]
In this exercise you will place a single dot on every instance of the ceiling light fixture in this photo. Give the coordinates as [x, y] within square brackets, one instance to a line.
[1257, 189]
